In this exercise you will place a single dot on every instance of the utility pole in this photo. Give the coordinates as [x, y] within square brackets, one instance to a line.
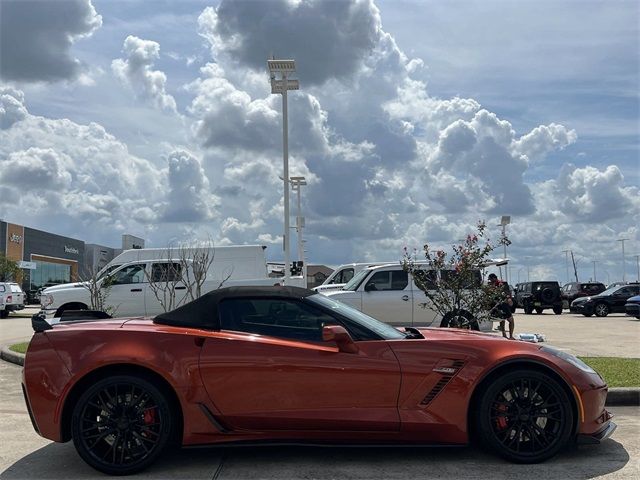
[638, 266]
[575, 270]
[566, 263]
[624, 276]
[594, 270]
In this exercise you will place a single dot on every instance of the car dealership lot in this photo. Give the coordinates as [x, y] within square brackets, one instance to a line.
[25, 455]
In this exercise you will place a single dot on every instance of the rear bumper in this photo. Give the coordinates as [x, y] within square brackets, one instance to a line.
[14, 308]
[632, 309]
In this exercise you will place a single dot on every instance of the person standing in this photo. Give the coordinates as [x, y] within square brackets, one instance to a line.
[505, 302]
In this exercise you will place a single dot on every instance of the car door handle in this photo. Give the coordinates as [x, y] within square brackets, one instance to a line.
[405, 298]
[136, 289]
[181, 288]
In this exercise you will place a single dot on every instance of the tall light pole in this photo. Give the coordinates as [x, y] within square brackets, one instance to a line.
[284, 68]
[504, 221]
[296, 183]
[638, 266]
[594, 270]
[624, 276]
[566, 263]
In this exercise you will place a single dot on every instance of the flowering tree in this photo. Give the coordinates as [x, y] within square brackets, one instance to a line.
[453, 283]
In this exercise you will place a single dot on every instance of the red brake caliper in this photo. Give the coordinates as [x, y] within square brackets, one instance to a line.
[501, 422]
[150, 416]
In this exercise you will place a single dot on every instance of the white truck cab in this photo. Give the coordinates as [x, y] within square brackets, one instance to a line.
[389, 294]
[343, 275]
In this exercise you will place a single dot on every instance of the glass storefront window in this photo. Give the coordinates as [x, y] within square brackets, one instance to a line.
[47, 273]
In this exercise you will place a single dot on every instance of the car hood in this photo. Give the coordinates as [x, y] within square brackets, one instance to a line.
[64, 286]
[635, 299]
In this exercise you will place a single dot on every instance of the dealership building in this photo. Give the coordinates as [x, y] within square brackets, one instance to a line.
[46, 258]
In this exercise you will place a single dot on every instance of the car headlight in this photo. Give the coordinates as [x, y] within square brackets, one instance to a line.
[46, 300]
[567, 357]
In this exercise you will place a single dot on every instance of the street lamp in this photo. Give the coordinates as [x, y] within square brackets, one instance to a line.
[282, 85]
[594, 270]
[296, 183]
[566, 263]
[504, 221]
[624, 276]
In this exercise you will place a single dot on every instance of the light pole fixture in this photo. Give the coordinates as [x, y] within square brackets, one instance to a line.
[504, 221]
[624, 276]
[296, 183]
[282, 85]
[566, 263]
[594, 270]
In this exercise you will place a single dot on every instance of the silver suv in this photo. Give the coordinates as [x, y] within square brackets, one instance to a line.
[12, 298]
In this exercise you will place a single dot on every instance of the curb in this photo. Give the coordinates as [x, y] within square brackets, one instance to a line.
[618, 396]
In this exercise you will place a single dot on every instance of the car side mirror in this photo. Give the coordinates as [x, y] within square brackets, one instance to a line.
[369, 287]
[336, 333]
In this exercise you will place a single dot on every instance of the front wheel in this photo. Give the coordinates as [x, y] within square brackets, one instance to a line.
[121, 424]
[601, 310]
[525, 416]
[459, 319]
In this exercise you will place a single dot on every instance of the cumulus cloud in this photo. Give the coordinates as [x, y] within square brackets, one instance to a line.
[12, 107]
[136, 70]
[543, 140]
[36, 168]
[189, 198]
[36, 38]
[328, 39]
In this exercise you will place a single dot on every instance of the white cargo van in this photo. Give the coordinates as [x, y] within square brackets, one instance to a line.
[130, 294]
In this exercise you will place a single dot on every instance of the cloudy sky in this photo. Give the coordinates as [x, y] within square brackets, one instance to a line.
[414, 120]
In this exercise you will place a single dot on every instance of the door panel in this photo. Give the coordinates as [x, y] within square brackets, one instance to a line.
[391, 301]
[264, 383]
[127, 292]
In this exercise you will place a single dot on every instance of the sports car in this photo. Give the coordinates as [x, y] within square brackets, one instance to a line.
[288, 365]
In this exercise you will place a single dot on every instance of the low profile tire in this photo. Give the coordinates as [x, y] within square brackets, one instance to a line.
[121, 424]
[525, 416]
[557, 310]
[459, 319]
[601, 310]
[539, 311]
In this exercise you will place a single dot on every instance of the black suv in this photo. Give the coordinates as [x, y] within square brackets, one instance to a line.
[539, 295]
[573, 290]
[612, 300]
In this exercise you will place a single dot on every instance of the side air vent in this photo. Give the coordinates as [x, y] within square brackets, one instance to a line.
[447, 372]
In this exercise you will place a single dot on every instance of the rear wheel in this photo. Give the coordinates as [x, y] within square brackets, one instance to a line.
[4, 313]
[539, 311]
[601, 310]
[121, 424]
[459, 319]
[557, 310]
[525, 416]
[528, 309]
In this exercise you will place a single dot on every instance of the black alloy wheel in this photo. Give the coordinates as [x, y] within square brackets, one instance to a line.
[459, 319]
[601, 310]
[121, 424]
[525, 416]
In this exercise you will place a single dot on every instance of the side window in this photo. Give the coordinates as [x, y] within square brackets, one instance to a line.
[166, 272]
[2, 289]
[426, 277]
[275, 318]
[347, 274]
[390, 280]
[130, 274]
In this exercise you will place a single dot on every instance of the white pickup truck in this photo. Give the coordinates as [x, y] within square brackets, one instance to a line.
[389, 294]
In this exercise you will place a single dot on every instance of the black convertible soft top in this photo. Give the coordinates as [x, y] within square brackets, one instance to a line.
[203, 312]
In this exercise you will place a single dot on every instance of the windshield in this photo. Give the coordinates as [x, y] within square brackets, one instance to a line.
[355, 282]
[382, 329]
[609, 291]
[108, 270]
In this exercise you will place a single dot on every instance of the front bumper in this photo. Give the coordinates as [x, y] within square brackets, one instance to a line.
[632, 309]
[583, 308]
[595, 438]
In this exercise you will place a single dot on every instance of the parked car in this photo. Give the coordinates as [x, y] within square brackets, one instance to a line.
[389, 294]
[573, 290]
[632, 307]
[284, 364]
[539, 296]
[344, 273]
[12, 298]
[130, 292]
[612, 300]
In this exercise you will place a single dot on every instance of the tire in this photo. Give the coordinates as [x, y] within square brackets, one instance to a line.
[528, 309]
[601, 310]
[548, 295]
[587, 314]
[513, 421]
[121, 424]
[557, 310]
[4, 313]
[539, 311]
[459, 319]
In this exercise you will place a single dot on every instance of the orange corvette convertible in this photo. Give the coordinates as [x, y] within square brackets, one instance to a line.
[288, 365]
